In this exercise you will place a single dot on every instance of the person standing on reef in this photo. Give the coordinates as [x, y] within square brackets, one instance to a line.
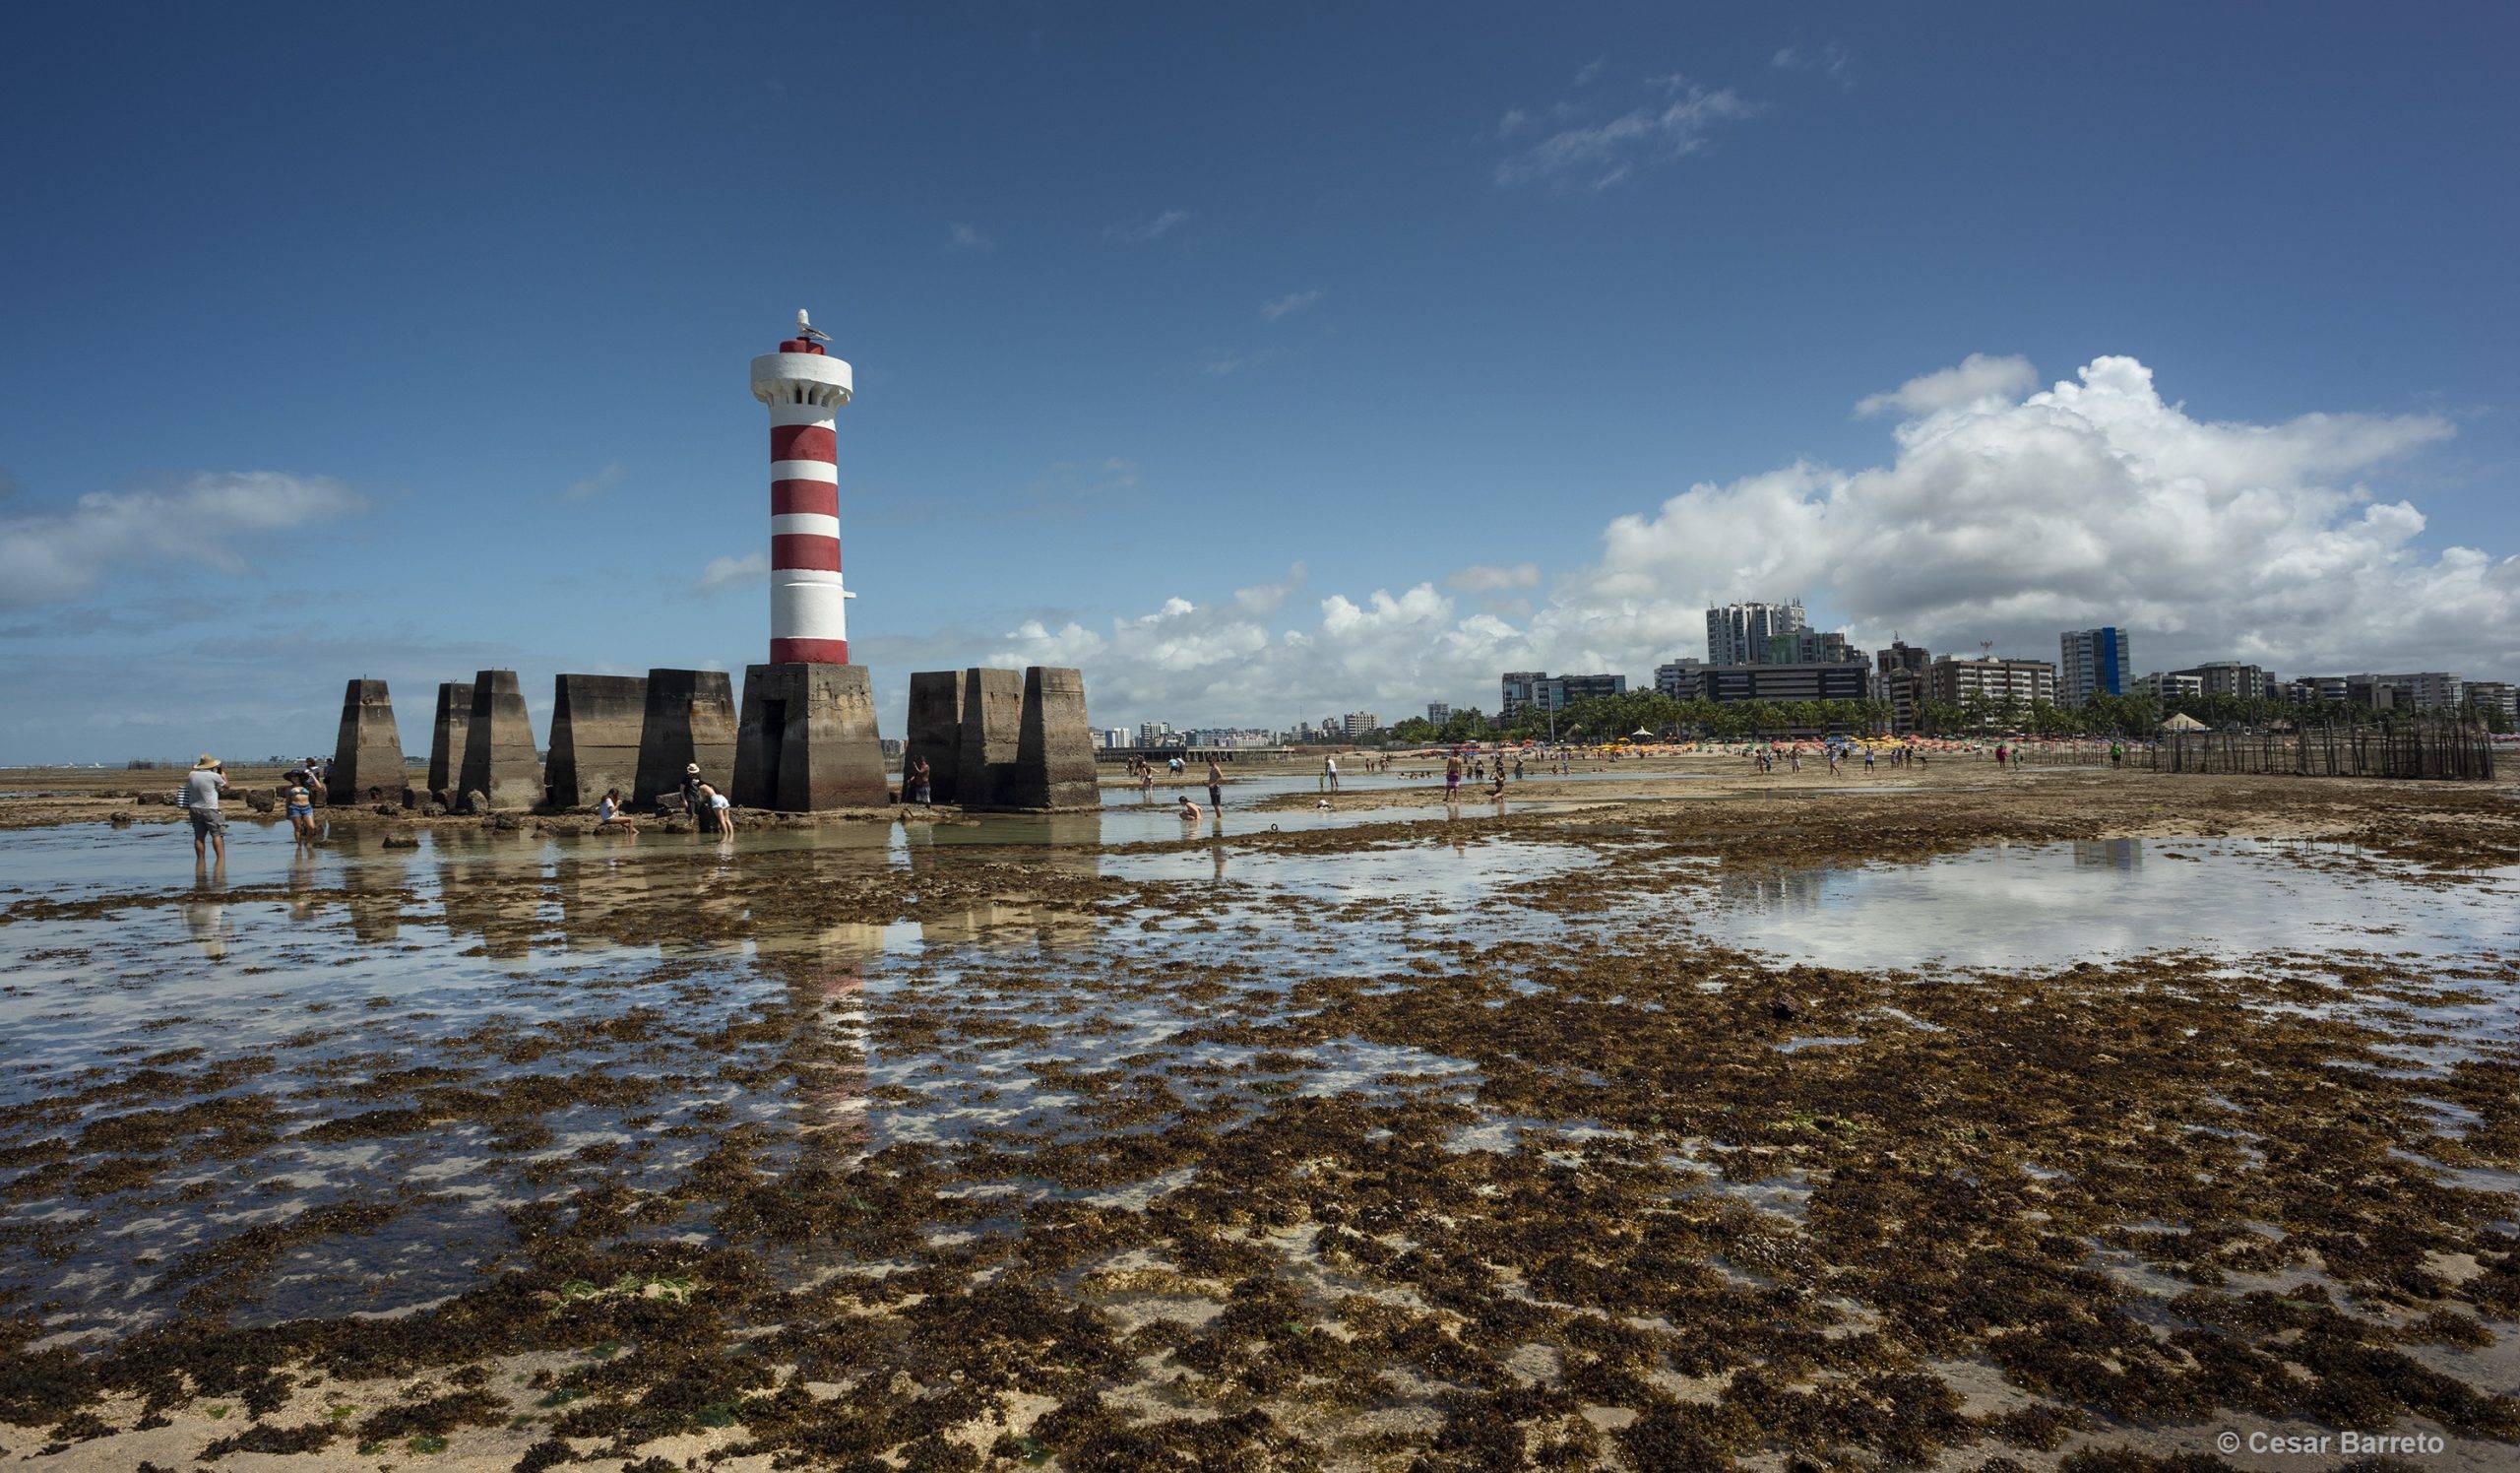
[691, 785]
[919, 785]
[1330, 774]
[1216, 786]
[202, 786]
[1452, 778]
[301, 808]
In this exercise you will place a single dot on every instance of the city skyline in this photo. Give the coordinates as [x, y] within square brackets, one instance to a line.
[1378, 367]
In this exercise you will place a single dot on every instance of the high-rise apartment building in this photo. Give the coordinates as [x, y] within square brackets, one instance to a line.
[1740, 633]
[2230, 678]
[1903, 656]
[1956, 682]
[1533, 687]
[2091, 662]
[2169, 686]
[1356, 724]
[1437, 713]
[2425, 690]
[1572, 688]
[1521, 688]
[1677, 679]
[2495, 696]
[1801, 681]
[1810, 647]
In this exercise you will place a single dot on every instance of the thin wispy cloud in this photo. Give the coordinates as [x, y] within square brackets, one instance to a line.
[1076, 487]
[963, 237]
[725, 574]
[1291, 302]
[1830, 60]
[1978, 377]
[1487, 578]
[1140, 231]
[1591, 156]
[588, 487]
[1584, 76]
[1225, 364]
[55, 555]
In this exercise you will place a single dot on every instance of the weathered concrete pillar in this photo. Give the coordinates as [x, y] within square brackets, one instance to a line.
[935, 730]
[690, 718]
[447, 735]
[1053, 747]
[498, 749]
[596, 727]
[992, 718]
[367, 754]
[808, 741]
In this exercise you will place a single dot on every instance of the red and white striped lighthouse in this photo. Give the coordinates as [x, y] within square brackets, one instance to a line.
[804, 388]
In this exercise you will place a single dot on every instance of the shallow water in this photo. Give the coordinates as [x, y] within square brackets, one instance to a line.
[2047, 905]
[328, 977]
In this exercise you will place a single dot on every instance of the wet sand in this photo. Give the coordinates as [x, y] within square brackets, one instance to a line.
[1669, 1117]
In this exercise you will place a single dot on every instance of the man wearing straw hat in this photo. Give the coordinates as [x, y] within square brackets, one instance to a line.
[202, 786]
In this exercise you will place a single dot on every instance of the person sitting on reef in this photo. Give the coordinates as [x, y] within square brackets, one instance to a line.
[1189, 811]
[608, 814]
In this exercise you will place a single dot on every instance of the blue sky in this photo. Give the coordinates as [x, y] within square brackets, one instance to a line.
[404, 343]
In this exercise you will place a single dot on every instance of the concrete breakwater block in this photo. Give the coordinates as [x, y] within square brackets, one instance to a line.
[992, 721]
[597, 721]
[935, 732]
[690, 718]
[808, 739]
[1054, 746]
[1026, 741]
[452, 728]
[499, 763]
[367, 754]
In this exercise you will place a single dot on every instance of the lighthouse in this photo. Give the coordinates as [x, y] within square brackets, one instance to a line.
[804, 388]
[807, 741]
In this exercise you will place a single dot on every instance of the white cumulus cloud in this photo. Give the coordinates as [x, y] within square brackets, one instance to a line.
[211, 519]
[2001, 514]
